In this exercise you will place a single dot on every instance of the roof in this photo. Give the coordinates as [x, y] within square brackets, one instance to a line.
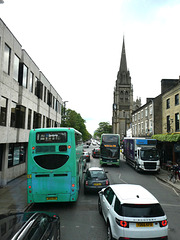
[95, 169]
[133, 194]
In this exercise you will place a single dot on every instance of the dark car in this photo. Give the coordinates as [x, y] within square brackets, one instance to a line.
[30, 225]
[95, 179]
[96, 152]
[86, 155]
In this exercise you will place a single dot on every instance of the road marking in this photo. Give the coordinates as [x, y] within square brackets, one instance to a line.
[121, 179]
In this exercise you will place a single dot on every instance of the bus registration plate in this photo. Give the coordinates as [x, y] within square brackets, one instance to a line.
[144, 224]
[51, 198]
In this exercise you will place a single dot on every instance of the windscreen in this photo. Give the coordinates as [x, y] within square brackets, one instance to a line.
[141, 210]
[149, 154]
[51, 137]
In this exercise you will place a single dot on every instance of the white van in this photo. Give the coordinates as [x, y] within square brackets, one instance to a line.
[132, 212]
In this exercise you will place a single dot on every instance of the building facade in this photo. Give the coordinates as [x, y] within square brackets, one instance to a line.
[123, 98]
[171, 110]
[27, 100]
[147, 120]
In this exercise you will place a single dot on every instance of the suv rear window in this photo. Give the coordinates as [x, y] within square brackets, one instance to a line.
[141, 210]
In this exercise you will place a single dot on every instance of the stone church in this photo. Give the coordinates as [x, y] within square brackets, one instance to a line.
[123, 103]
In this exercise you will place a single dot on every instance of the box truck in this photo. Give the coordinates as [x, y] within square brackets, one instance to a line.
[142, 154]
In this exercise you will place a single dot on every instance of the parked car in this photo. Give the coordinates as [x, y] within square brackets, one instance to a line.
[86, 155]
[30, 225]
[95, 179]
[96, 152]
[131, 212]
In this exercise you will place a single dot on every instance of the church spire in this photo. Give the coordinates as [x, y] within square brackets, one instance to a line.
[123, 63]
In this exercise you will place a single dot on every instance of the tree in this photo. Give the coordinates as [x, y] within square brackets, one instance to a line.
[73, 119]
[104, 127]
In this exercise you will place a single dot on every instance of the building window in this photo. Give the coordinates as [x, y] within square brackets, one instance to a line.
[142, 114]
[168, 103]
[176, 99]
[150, 109]
[168, 123]
[150, 126]
[146, 126]
[20, 116]
[146, 111]
[142, 127]
[17, 154]
[177, 122]
[138, 115]
[132, 118]
[7, 59]
[35, 84]
[25, 76]
[3, 111]
[45, 90]
[126, 96]
[121, 96]
[16, 68]
[37, 120]
[1, 155]
[48, 122]
[29, 118]
[31, 82]
[49, 101]
[43, 121]
[13, 114]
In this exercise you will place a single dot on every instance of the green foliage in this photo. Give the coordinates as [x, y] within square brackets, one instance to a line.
[174, 137]
[74, 120]
[104, 127]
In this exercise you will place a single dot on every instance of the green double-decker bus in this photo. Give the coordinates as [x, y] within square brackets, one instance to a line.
[110, 149]
[55, 165]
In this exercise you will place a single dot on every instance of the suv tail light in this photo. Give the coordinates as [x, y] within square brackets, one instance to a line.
[163, 223]
[121, 223]
[107, 182]
[86, 183]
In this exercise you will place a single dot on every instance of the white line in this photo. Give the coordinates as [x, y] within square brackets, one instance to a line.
[121, 179]
[165, 184]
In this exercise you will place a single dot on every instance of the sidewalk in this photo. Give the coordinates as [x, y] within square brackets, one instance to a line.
[13, 197]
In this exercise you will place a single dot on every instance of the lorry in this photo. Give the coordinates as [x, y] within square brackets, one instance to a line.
[142, 154]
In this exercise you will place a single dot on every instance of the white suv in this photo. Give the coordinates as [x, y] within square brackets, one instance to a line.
[131, 212]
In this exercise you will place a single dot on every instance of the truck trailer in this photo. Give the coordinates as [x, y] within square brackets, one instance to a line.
[142, 154]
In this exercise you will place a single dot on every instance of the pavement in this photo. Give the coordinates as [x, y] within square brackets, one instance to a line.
[13, 197]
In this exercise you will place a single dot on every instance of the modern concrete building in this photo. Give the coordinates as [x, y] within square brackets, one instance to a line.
[27, 100]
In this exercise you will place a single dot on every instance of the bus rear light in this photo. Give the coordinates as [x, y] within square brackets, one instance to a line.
[29, 186]
[73, 185]
[33, 148]
[86, 183]
[69, 146]
[107, 182]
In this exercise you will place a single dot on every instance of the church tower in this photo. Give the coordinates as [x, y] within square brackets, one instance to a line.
[123, 98]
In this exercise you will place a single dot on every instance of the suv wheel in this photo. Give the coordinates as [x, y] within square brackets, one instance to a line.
[99, 206]
[109, 233]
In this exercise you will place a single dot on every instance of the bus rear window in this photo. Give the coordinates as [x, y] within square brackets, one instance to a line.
[51, 137]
